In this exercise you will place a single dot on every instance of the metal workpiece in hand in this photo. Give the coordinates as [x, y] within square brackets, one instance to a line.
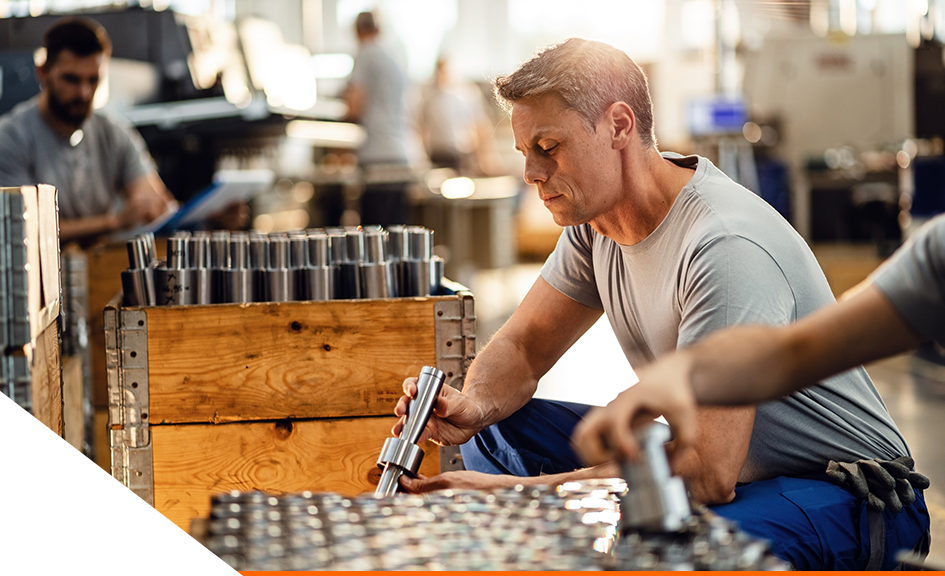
[655, 499]
[402, 455]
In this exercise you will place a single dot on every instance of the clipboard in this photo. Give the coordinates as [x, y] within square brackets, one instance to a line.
[228, 186]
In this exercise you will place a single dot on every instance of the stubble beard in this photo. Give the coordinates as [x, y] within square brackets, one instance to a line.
[74, 112]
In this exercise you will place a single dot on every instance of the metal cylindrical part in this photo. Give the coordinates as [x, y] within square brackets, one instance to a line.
[258, 252]
[137, 254]
[200, 251]
[150, 248]
[416, 278]
[138, 287]
[279, 285]
[429, 385]
[237, 285]
[278, 253]
[337, 246]
[348, 281]
[319, 283]
[397, 242]
[239, 251]
[278, 280]
[402, 455]
[219, 250]
[298, 252]
[318, 249]
[375, 245]
[354, 239]
[376, 280]
[655, 499]
[172, 286]
[419, 243]
[202, 285]
[437, 269]
[178, 252]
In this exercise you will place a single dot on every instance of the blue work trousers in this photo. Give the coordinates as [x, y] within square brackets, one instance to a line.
[810, 522]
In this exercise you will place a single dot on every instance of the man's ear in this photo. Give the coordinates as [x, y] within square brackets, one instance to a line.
[622, 123]
[42, 72]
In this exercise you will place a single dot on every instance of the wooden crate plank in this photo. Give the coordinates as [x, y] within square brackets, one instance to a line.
[299, 360]
[73, 415]
[46, 379]
[105, 264]
[193, 462]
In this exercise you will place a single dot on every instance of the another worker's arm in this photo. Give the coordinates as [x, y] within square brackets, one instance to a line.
[146, 198]
[747, 364]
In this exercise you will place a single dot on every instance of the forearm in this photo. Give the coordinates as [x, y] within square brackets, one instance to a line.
[749, 364]
[500, 380]
[712, 466]
[86, 227]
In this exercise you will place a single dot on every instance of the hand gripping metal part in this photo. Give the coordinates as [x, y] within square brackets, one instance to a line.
[655, 499]
[402, 455]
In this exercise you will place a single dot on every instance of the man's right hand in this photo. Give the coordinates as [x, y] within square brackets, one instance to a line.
[456, 417]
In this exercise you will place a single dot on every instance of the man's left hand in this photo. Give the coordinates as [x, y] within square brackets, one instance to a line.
[462, 480]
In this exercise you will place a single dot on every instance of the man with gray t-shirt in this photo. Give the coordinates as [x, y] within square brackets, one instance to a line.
[671, 250]
[105, 178]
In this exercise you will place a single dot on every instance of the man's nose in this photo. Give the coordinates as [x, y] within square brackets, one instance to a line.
[536, 169]
[87, 90]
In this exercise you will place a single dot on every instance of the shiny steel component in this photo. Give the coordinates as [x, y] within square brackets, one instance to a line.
[173, 282]
[138, 282]
[238, 278]
[402, 455]
[347, 281]
[377, 276]
[416, 275]
[200, 268]
[318, 275]
[569, 527]
[655, 499]
[258, 263]
[278, 282]
[437, 267]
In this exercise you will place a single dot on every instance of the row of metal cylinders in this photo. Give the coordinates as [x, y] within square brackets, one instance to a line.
[318, 264]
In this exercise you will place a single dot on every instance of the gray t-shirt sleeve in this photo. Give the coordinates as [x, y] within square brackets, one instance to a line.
[570, 268]
[731, 281]
[130, 152]
[913, 280]
[14, 161]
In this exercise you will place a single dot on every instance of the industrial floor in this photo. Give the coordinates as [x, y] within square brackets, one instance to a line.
[913, 388]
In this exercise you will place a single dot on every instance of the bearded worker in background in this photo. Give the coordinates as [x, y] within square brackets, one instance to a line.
[106, 180]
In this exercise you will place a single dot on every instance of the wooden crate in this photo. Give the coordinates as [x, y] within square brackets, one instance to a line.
[281, 397]
[40, 227]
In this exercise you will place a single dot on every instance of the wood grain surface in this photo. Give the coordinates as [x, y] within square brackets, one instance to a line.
[46, 377]
[237, 362]
[73, 414]
[195, 461]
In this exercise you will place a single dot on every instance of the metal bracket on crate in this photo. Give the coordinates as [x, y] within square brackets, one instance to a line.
[126, 352]
[455, 327]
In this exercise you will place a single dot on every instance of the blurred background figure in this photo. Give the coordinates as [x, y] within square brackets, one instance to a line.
[455, 124]
[376, 100]
[106, 179]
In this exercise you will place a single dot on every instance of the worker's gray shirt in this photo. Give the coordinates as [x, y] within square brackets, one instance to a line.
[913, 280]
[89, 176]
[722, 257]
[384, 114]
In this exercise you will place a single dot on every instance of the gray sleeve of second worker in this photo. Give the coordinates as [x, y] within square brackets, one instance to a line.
[15, 165]
[130, 152]
[913, 280]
